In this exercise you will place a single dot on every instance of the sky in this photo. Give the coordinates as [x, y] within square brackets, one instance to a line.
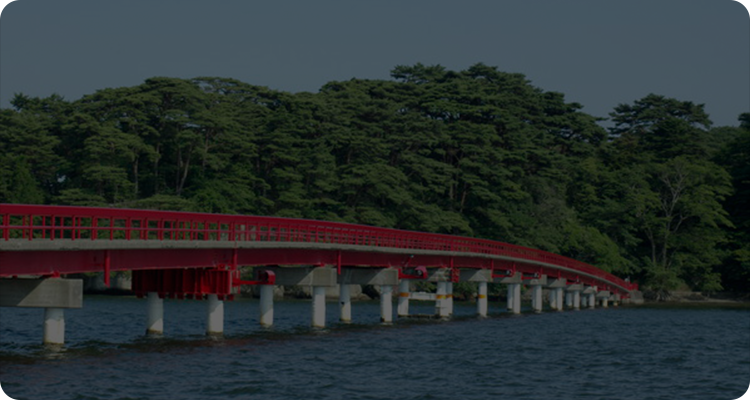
[599, 53]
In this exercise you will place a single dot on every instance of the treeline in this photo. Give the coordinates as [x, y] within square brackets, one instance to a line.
[660, 197]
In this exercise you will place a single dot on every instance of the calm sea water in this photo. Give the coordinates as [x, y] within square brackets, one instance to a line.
[617, 353]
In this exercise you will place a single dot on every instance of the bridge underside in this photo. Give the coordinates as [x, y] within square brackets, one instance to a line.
[46, 258]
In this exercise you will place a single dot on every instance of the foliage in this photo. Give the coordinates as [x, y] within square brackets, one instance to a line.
[661, 197]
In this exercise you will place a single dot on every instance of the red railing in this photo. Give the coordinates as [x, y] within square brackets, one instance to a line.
[35, 222]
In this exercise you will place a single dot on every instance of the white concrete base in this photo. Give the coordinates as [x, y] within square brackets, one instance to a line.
[403, 298]
[577, 300]
[54, 326]
[482, 299]
[345, 304]
[155, 317]
[592, 300]
[266, 305]
[441, 301]
[536, 298]
[386, 304]
[214, 315]
[559, 300]
[319, 307]
[449, 296]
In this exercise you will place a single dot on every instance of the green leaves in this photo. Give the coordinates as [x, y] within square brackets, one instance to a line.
[477, 152]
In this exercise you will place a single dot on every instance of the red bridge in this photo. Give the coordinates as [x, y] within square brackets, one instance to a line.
[195, 255]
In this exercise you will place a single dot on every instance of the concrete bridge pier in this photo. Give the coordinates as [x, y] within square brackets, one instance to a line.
[385, 278]
[403, 298]
[345, 304]
[514, 291]
[52, 294]
[441, 301]
[449, 297]
[386, 304]
[573, 293]
[590, 295]
[481, 277]
[603, 297]
[319, 278]
[155, 314]
[556, 287]
[266, 305]
[318, 307]
[536, 292]
[214, 315]
[482, 299]
[54, 326]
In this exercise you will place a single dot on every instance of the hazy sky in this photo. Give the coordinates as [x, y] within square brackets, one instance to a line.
[599, 53]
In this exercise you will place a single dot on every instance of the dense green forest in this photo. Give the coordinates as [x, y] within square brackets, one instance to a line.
[661, 196]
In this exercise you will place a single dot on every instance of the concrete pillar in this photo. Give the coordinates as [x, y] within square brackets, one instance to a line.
[403, 298]
[214, 316]
[441, 303]
[345, 304]
[319, 307]
[266, 305]
[516, 298]
[577, 300]
[482, 299]
[54, 326]
[552, 297]
[592, 300]
[559, 298]
[511, 292]
[536, 298]
[155, 317]
[605, 302]
[569, 300]
[584, 301]
[386, 304]
[449, 296]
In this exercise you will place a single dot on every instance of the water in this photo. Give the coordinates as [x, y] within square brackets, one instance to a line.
[623, 353]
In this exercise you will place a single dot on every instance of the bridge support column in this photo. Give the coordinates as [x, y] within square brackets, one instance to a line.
[345, 304]
[319, 307]
[603, 296]
[481, 277]
[482, 299]
[403, 298]
[536, 292]
[155, 317]
[514, 298]
[536, 298]
[556, 288]
[590, 295]
[517, 298]
[514, 291]
[449, 296]
[386, 304]
[266, 305]
[54, 326]
[53, 294]
[214, 315]
[441, 302]
[573, 296]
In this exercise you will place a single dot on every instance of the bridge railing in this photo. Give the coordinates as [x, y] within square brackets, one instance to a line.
[36, 222]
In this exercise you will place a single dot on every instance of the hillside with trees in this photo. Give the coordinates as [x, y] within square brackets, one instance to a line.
[661, 196]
